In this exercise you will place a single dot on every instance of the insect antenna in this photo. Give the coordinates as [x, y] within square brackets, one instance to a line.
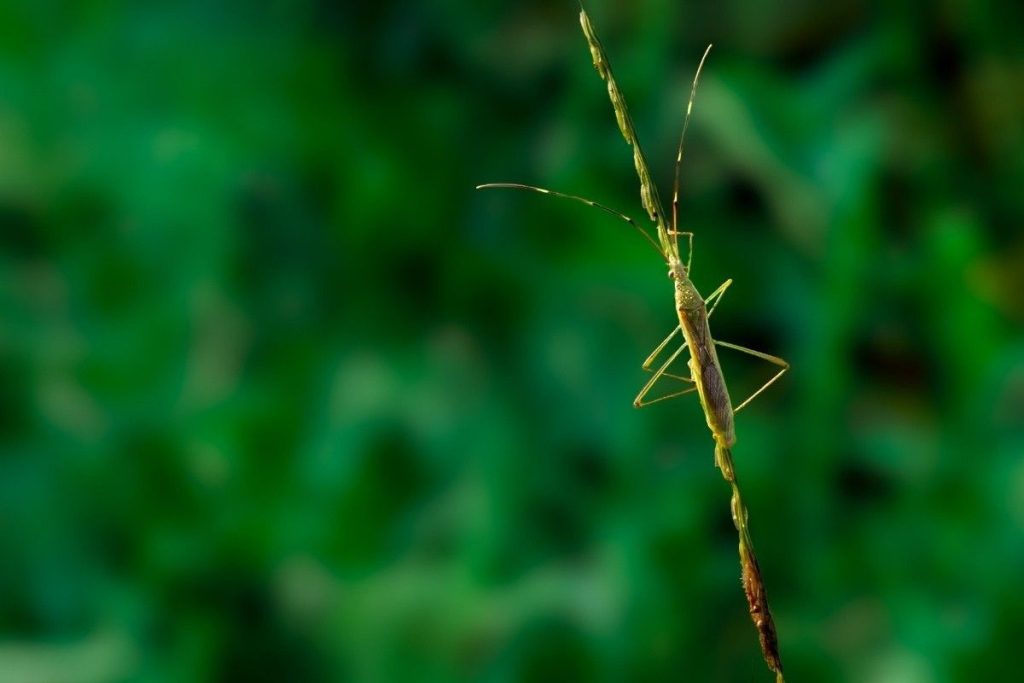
[588, 202]
[679, 152]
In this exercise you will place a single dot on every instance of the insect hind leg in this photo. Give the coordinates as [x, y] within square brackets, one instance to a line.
[763, 356]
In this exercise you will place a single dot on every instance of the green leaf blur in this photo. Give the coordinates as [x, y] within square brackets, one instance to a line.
[282, 398]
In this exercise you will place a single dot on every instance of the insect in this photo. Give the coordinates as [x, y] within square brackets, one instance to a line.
[706, 378]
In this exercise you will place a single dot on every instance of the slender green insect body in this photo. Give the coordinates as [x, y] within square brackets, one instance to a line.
[693, 313]
[703, 364]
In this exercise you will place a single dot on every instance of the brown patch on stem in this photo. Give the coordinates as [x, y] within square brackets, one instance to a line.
[757, 600]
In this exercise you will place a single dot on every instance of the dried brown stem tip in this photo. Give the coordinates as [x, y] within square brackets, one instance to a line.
[753, 584]
[757, 601]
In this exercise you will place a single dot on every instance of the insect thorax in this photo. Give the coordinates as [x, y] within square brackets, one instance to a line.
[687, 296]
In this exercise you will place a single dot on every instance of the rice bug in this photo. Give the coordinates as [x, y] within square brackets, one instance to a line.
[706, 378]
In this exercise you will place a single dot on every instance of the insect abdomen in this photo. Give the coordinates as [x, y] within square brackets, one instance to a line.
[707, 374]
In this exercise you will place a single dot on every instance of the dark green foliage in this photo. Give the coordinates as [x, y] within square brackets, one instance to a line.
[283, 398]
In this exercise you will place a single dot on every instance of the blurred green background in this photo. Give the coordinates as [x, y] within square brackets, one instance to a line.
[283, 398]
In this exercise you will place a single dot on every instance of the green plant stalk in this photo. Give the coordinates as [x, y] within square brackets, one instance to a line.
[704, 367]
[753, 584]
[692, 309]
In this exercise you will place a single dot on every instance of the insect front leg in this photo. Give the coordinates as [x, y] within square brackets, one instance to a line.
[689, 246]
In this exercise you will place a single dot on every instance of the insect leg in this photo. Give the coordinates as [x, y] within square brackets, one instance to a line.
[639, 402]
[763, 356]
[657, 352]
[717, 295]
[689, 247]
